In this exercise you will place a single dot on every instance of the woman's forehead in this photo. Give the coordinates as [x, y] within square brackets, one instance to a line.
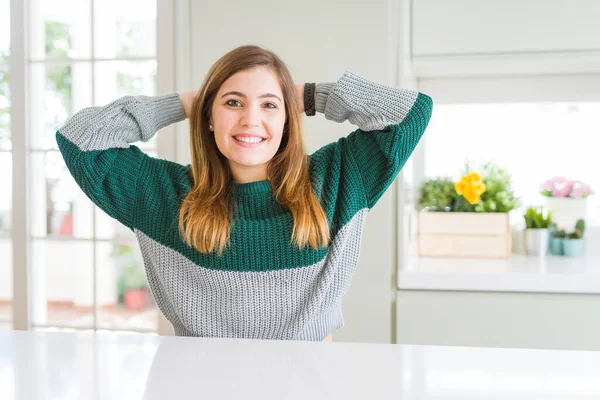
[253, 82]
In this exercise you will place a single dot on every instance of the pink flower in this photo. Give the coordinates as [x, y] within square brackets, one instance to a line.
[559, 180]
[559, 186]
[581, 189]
[548, 185]
[577, 192]
[569, 185]
[564, 192]
[587, 190]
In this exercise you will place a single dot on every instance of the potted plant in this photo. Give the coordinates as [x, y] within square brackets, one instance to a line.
[475, 223]
[537, 232]
[437, 195]
[66, 225]
[498, 196]
[567, 198]
[132, 286]
[135, 287]
[556, 243]
[574, 243]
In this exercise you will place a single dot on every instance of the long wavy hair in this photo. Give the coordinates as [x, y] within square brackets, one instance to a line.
[206, 213]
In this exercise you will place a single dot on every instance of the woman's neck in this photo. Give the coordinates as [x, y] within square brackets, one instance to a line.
[244, 174]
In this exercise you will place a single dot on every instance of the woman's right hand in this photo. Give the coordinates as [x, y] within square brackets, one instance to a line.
[187, 101]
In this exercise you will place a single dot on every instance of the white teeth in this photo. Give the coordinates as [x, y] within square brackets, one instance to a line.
[249, 139]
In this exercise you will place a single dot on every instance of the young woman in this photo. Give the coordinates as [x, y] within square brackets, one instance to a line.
[254, 239]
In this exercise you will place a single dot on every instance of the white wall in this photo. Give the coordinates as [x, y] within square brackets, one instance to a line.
[318, 40]
[481, 44]
[460, 27]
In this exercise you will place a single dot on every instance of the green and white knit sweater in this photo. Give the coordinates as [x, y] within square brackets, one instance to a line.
[262, 286]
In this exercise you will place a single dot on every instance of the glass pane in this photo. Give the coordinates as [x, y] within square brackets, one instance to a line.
[129, 33]
[5, 241]
[115, 79]
[4, 71]
[5, 194]
[62, 283]
[5, 143]
[534, 141]
[124, 299]
[108, 227]
[6, 174]
[59, 208]
[57, 92]
[4, 25]
[60, 29]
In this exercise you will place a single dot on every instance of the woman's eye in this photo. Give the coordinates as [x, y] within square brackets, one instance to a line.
[233, 103]
[270, 105]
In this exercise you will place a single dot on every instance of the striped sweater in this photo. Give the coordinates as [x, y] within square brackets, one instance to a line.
[261, 287]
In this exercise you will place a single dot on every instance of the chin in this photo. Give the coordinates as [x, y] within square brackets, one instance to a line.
[249, 163]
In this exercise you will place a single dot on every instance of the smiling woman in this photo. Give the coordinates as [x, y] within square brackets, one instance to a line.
[254, 239]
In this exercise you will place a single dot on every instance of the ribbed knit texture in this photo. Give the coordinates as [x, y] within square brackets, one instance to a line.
[261, 287]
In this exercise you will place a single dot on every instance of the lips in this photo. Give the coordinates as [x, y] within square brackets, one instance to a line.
[248, 140]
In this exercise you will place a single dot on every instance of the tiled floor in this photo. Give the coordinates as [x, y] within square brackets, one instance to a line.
[119, 318]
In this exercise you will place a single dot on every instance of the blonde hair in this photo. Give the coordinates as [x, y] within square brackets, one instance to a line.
[205, 216]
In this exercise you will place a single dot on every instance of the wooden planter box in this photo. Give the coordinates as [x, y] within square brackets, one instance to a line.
[460, 234]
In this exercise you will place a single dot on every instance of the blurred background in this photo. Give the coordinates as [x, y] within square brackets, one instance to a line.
[516, 87]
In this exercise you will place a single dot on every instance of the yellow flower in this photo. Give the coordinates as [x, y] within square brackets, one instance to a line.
[471, 187]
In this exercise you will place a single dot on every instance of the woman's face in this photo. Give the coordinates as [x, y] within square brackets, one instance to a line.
[248, 116]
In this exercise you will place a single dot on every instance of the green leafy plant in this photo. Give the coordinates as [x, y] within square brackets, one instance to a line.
[499, 195]
[579, 230]
[440, 194]
[119, 250]
[538, 218]
[437, 194]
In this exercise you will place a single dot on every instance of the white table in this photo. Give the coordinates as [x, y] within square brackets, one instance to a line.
[50, 365]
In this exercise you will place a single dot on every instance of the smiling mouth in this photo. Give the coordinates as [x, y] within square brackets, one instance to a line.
[249, 140]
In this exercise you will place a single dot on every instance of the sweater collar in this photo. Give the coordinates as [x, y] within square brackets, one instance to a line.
[251, 188]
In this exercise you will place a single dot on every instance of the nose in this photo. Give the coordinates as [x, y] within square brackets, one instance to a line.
[250, 118]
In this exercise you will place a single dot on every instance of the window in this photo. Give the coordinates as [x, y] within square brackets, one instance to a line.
[86, 268]
[5, 171]
[534, 141]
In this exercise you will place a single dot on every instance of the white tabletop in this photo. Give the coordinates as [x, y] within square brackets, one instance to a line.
[49, 365]
[519, 273]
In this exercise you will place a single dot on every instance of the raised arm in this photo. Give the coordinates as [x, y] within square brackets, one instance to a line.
[95, 144]
[391, 122]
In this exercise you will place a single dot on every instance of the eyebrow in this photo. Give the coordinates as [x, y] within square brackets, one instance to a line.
[262, 96]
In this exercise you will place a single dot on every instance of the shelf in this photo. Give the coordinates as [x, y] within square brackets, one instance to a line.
[519, 273]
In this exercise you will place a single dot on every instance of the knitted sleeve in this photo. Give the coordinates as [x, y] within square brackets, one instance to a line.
[95, 144]
[391, 122]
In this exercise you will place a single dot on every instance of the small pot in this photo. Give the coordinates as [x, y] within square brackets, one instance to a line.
[536, 242]
[574, 247]
[557, 246]
[135, 299]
